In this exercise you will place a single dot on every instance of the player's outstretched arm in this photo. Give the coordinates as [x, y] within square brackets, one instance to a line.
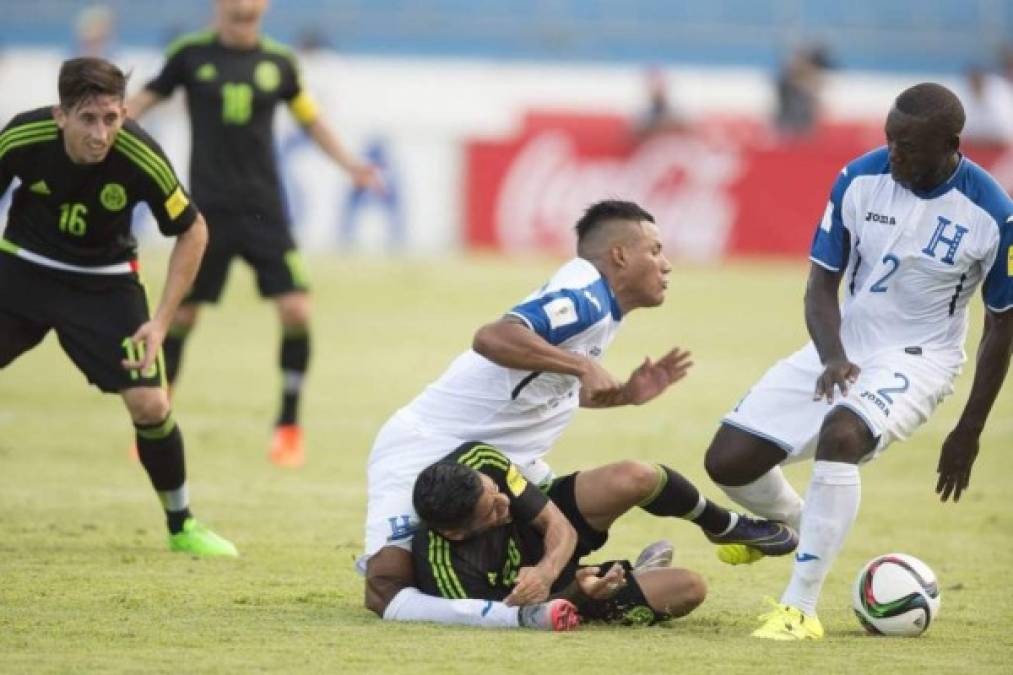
[823, 320]
[511, 344]
[141, 102]
[961, 446]
[363, 174]
[534, 583]
[183, 264]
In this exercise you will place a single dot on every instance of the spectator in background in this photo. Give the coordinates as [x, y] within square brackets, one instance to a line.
[661, 115]
[799, 90]
[1006, 63]
[988, 103]
[94, 29]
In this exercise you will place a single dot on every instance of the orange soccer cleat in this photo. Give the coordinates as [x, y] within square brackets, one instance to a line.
[287, 448]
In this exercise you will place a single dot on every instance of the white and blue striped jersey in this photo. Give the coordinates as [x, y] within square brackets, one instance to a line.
[912, 260]
[522, 413]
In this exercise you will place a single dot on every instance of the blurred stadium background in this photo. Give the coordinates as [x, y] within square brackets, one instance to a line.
[497, 122]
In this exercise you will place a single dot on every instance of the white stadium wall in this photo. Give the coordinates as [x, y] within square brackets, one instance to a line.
[422, 119]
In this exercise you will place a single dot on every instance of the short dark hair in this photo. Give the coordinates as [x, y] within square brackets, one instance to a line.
[604, 211]
[934, 103]
[84, 78]
[445, 495]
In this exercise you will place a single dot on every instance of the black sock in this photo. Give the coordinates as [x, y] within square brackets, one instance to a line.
[675, 496]
[172, 349]
[295, 357]
[160, 449]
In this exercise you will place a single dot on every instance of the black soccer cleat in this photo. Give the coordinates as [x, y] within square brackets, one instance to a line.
[769, 537]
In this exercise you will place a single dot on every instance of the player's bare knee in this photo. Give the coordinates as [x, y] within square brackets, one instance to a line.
[844, 437]
[147, 405]
[696, 591]
[640, 479]
[736, 457]
[687, 591]
[294, 310]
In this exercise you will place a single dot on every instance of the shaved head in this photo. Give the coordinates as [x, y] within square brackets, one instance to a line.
[933, 104]
[606, 224]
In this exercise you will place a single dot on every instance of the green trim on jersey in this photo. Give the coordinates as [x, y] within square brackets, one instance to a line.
[26, 134]
[481, 455]
[272, 46]
[443, 569]
[202, 37]
[147, 159]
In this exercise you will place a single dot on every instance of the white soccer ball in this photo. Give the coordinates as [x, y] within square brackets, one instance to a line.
[896, 594]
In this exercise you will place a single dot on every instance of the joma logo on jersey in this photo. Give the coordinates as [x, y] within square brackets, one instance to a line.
[877, 401]
[943, 236]
[880, 218]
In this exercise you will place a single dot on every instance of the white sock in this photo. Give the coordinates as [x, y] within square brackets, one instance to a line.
[769, 496]
[830, 508]
[411, 604]
[175, 500]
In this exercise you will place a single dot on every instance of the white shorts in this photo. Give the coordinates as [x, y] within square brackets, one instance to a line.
[403, 448]
[895, 393]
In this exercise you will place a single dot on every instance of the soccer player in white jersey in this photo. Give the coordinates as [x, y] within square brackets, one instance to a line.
[911, 230]
[517, 389]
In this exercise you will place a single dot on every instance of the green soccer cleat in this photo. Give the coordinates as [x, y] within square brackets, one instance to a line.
[198, 540]
[738, 554]
[785, 623]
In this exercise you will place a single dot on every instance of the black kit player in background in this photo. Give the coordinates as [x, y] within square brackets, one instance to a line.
[234, 77]
[68, 262]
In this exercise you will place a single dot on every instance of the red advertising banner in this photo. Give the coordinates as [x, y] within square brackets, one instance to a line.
[728, 187]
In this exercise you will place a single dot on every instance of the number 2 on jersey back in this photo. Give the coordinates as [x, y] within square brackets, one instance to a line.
[880, 286]
[72, 218]
[237, 102]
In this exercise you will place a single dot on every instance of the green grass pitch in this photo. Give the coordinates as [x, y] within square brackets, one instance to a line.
[86, 582]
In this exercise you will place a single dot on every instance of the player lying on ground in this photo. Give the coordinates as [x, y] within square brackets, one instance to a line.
[489, 534]
[520, 385]
[911, 229]
[68, 262]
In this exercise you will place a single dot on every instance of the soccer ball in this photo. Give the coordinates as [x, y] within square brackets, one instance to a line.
[896, 594]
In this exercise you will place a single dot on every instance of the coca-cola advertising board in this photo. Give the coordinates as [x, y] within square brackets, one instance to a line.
[726, 187]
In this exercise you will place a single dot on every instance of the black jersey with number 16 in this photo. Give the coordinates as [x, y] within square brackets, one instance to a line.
[79, 214]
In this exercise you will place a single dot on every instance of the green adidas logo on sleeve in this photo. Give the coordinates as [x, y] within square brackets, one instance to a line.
[40, 188]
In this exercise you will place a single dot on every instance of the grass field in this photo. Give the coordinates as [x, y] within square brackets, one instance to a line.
[86, 582]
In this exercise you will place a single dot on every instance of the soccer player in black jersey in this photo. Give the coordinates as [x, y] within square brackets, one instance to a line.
[68, 262]
[234, 78]
[483, 537]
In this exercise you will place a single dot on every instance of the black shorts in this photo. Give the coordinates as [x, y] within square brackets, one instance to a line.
[93, 316]
[562, 493]
[268, 248]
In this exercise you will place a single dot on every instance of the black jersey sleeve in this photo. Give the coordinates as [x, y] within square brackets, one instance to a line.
[526, 500]
[160, 187]
[22, 131]
[301, 103]
[171, 75]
